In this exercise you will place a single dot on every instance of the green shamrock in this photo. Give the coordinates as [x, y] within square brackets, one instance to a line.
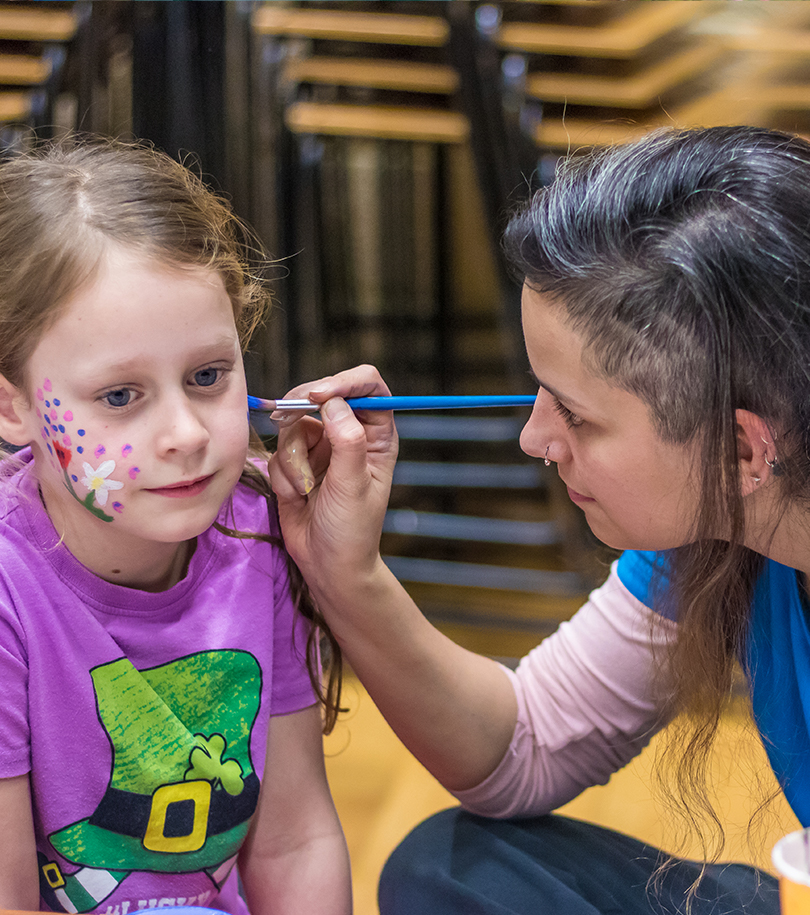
[206, 763]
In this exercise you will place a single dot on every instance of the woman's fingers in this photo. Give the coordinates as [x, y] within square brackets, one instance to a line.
[361, 381]
[301, 457]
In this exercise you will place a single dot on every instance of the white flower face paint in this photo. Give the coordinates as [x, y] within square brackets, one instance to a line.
[96, 480]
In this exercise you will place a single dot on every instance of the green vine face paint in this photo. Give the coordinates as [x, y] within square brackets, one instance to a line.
[66, 441]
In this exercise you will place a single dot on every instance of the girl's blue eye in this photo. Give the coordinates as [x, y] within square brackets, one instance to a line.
[118, 398]
[206, 377]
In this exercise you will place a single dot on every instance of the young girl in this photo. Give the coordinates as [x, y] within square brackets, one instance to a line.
[159, 723]
[666, 312]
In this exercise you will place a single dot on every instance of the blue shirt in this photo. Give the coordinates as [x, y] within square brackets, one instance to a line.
[778, 664]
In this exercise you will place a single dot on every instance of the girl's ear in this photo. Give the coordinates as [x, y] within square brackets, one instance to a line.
[756, 447]
[13, 414]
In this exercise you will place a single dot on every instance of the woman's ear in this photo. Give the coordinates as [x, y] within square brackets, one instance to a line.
[756, 450]
[13, 414]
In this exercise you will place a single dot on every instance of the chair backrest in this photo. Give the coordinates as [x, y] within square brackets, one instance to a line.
[33, 44]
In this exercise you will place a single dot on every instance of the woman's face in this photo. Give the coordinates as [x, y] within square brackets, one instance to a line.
[637, 491]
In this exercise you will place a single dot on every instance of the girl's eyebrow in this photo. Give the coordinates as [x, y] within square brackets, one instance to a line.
[215, 349]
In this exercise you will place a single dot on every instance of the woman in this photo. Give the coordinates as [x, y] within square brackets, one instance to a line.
[666, 311]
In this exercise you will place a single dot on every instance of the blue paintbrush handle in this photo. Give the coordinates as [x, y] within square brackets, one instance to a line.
[399, 403]
[438, 403]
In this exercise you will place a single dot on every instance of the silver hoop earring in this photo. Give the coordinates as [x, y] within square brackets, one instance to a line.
[546, 461]
[772, 463]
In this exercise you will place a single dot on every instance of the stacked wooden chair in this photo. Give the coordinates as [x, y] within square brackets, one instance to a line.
[34, 38]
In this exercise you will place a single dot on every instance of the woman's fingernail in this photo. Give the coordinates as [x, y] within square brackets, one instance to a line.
[336, 409]
[297, 457]
[319, 389]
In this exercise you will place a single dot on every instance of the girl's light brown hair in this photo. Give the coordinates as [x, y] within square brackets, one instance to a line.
[62, 204]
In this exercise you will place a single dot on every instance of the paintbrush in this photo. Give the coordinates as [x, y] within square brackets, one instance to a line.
[396, 403]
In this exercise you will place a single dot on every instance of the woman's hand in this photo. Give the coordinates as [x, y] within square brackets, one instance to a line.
[333, 478]
[455, 711]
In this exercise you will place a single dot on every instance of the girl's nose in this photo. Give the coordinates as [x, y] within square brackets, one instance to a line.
[183, 430]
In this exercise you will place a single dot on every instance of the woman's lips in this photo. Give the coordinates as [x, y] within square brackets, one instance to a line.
[184, 490]
[575, 496]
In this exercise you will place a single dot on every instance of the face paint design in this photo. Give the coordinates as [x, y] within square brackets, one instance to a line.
[96, 480]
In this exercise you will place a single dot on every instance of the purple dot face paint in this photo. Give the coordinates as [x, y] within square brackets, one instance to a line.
[133, 472]
[89, 484]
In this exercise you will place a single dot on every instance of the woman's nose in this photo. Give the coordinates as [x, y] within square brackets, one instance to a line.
[542, 429]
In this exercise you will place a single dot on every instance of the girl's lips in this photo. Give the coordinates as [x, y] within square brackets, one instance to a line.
[184, 490]
[575, 496]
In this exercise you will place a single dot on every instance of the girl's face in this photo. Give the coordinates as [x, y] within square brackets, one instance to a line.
[138, 412]
[637, 491]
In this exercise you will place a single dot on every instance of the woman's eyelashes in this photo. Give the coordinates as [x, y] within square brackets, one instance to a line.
[571, 419]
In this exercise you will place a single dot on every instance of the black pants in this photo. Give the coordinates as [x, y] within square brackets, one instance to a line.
[459, 864]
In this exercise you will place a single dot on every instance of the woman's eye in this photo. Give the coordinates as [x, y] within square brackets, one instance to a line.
[206, 377]
[119, 398]
[570, 418]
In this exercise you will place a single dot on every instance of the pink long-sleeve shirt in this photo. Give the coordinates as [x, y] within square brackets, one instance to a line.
[590, 698]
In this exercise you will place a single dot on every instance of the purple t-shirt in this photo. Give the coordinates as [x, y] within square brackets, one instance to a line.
[142, 717]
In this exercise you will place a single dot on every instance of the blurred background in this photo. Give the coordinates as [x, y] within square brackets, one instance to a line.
[376, 148]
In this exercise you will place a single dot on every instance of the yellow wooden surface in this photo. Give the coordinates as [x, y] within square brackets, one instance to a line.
[14, 106]
[390, 28]
[637, 91]
[406, 76]
[625, 36]
[27, 23]
[382, 122]
[23, 69]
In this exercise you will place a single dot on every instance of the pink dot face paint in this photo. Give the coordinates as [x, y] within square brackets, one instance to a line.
[89, 479]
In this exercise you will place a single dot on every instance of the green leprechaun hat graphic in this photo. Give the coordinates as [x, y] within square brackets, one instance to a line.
[182, 789]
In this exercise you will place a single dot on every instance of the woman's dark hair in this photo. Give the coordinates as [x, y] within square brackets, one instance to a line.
[683, 261]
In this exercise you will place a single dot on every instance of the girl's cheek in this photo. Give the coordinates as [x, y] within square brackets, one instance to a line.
[95, 470]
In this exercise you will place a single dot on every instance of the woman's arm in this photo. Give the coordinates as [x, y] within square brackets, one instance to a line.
[454, 710]
[590, 698]
[295, 858]
[19, 880]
